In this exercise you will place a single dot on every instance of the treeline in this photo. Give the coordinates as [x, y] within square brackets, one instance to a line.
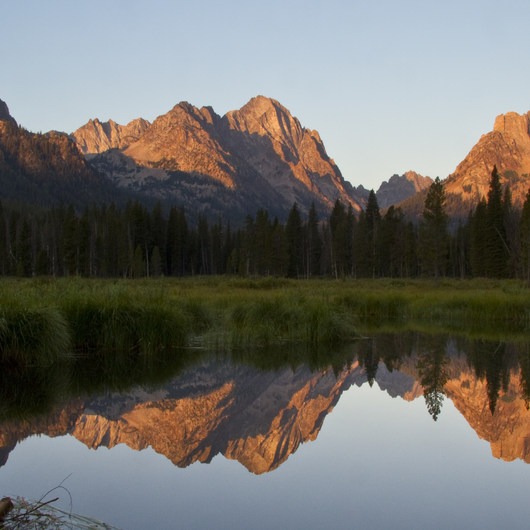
[131, 242]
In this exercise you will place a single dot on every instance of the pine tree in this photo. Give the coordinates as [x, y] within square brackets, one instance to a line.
[478, 235]
[158, 231]
[434, 235]
[496, 258]
[341, 240]
[294, 235]
[3, 243]
[156, 263]
[177, 245]
[373, 220]
[524, 238]
[313, 243]
[24, 250]
[392, 248]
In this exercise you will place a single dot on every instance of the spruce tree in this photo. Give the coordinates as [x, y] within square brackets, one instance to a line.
[496, 258]
[313, 243]
[477, 239]
[434, 235]
[294, 235]
[524, 239]
[373, 220]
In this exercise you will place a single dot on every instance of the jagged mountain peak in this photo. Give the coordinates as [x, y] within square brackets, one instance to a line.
[507, 146]
[514, 124]
[260, 105]
[97, 136]
[400, 187]
[185, 113]
[266, 117]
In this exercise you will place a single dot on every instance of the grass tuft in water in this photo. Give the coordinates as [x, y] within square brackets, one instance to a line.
[33, 335]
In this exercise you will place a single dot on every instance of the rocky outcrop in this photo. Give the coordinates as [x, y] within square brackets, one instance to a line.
[97, 137]
[400, 187]
[508, 148]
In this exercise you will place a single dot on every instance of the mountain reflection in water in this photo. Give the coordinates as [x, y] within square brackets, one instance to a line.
[260, 416]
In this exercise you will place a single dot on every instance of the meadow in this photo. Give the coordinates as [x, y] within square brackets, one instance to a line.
[44, 320]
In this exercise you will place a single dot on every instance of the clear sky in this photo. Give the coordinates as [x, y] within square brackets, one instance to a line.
[390, 85]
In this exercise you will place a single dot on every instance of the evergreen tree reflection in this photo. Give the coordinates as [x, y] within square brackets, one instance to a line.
[432, 369]
[524, 364]
[369, 360]
[490, 362]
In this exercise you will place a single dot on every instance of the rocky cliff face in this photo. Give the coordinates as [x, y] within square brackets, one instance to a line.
[507, 147]
[98, 137]
[401, 187]
[256, 157]
[289, 157]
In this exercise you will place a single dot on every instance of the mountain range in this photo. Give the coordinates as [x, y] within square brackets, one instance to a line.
[257, 157]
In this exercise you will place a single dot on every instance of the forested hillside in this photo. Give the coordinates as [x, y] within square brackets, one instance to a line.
[46, 169]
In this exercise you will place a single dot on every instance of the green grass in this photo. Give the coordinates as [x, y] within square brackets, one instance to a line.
[31, 335]
[47, 320]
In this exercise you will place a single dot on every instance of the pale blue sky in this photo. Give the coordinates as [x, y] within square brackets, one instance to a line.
[390, 85]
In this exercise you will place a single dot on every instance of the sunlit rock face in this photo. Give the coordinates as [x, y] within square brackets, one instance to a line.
[508, 148]
[185, 139]
[276, 146]
[259, 156]
[96, 137]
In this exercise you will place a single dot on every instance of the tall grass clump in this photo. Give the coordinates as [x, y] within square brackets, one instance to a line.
[33, 335]
[277, 319]
[387, 305]
[327, 325]
[124, 325]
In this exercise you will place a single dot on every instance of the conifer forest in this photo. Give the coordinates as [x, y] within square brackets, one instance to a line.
[133, 241]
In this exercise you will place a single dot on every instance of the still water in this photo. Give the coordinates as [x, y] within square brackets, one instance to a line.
[399, 431]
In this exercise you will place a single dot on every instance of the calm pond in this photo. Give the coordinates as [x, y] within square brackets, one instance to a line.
[400, 431]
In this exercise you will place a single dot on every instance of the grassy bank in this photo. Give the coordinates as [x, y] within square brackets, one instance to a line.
[43, 320]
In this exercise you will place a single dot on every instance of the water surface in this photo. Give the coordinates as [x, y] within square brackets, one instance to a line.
[399, 431]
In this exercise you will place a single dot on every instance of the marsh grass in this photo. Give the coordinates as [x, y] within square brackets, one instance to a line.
[33, 335]
[275, 318]
[122, 326]
[43, 320]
